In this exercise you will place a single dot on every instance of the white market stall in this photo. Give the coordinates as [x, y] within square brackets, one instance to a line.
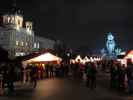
[40, 62]
[129, 55]
[44, 58]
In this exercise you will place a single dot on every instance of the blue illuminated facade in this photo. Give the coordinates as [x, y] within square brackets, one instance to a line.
[110, 51]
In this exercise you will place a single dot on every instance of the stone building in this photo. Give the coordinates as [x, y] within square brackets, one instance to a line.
[16, 36]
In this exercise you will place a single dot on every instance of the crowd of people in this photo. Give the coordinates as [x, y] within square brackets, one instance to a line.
[48, 70]
[8, 76]
[121, 76]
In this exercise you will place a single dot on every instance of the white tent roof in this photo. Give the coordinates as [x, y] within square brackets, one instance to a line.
[44, 57]
[129, 55]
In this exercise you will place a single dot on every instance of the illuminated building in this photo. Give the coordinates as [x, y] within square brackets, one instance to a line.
[16, 36]
[41, 43]
[110, 51]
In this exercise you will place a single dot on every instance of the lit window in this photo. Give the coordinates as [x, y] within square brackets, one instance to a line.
[38, 45]
[17, 27]
[17, 42]
[34, 45]
[19, 22]
[9, 19]
[26, 43]
[12, 20]
[29, 31]
[22, 43]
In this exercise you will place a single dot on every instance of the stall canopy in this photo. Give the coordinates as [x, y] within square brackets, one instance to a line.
[46, 57]
[129, 55]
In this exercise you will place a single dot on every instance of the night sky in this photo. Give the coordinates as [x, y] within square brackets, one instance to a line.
[80, 22]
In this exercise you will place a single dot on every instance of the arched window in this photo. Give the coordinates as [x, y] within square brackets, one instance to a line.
[18, 22]
[9, 19]
[12, 19]
[17, 43]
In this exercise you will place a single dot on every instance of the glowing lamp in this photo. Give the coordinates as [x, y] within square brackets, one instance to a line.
[78, 58]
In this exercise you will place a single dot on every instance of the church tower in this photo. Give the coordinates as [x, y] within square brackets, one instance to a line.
[14, 18]
[28, 25]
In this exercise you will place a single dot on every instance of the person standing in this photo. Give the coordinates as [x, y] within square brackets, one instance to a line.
[51, 71]
[93, 75]
[5, 74]
[10, 77]
[130, 75]
[88, 71]
[47, 70]
[66, 69]
[114, 74]
[122, 75]
[81, 69]
[91, 71]
[33, 75]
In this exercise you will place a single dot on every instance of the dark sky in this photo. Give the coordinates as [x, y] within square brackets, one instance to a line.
[80, 22]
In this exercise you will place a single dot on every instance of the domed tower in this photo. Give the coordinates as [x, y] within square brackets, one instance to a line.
[14, 18]
[28, 26]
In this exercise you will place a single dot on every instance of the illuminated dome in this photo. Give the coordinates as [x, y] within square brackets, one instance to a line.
[13, 18]
[110, 36]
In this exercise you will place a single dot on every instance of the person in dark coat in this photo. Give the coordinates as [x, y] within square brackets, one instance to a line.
[91, 75]
[33, 75]
[11, 77]
[122, 74]
[51, 71]
[47, 70]
[114, 74]
[4, 71]
[87, 71]
[130, 75]
[66, 69]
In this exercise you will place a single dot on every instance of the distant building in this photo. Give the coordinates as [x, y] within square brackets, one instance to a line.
[41, 43]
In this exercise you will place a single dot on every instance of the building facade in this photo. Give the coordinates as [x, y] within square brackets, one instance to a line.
[16, 36]
[111, 50]
[43, 43]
